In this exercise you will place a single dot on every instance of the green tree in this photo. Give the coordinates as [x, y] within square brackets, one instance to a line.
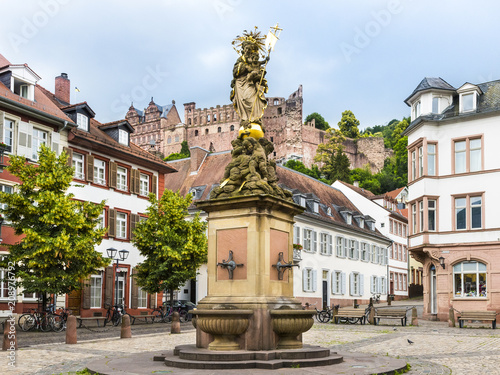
[57, 249]
[348, 125]
[331, 154]
[320, 122]
[300, 167]
[185, 153]
[173, 247]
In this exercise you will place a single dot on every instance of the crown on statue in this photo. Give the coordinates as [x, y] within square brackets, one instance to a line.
[254, 37]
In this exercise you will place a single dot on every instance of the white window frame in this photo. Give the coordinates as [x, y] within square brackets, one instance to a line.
[339, 247]
[123, 136]
[356, 284]
[480, 268]
[99, 171]
[9, 133]
[39, 137]
[431, 159]
[82, 121]
[309, 280]
[338, 284]
[142, 298]
[365, 252]
[431, 213]
[95, 291]
[78, 162]
[460, 155]
[121, 178]
[121, 225]
[144, 184]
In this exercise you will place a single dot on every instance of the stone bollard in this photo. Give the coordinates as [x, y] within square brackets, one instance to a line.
[371, 316]
[451, 317]
[389, 300]
[414, 317]
[71, 330]
[9, 335]
[176, 323]
[126, 332]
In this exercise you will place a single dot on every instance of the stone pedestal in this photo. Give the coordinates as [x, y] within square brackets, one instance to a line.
[256, 229]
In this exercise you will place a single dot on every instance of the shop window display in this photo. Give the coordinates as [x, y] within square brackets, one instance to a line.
[469, 279]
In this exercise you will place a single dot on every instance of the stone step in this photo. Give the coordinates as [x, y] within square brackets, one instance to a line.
[274, 364]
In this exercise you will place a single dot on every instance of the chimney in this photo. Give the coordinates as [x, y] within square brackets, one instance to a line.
[198, 154]
[356, 183]
[63, 88]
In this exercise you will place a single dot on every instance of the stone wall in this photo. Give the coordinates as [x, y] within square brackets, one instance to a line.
[214, 128]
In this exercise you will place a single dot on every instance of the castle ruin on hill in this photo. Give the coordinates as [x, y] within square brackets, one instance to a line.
[160, 128]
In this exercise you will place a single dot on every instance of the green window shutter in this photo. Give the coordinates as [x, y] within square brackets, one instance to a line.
[86, 294]
[134, 219]
[135, 291]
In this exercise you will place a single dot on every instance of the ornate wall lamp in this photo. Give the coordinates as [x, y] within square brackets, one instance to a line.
[441, 261]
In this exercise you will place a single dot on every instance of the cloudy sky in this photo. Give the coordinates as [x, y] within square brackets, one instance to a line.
[362, 55]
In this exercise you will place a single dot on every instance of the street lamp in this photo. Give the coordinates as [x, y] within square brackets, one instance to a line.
[441, 261]
[123, 254]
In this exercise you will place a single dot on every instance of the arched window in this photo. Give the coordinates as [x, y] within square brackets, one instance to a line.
[196, 133]
[219, 129]
[196, 120]
[177, 138]
[232, 128]
[279, 111]
[189, 121]
[215, 117]
[208, 118]
[206, 131]
[276, 102]
[469, 279]
[169, 140]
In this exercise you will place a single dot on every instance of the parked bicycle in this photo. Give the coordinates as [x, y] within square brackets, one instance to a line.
[376, 297]
[164, 313]
[114, 314]
[58, 319]
[34, 320]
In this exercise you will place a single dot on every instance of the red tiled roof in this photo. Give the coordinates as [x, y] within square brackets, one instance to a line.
[211, 172]
[41, 102]
[3, 61]
[393, 194]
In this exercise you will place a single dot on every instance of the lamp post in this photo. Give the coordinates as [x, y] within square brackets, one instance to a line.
[123, 254]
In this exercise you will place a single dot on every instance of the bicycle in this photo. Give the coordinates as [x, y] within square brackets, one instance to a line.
[58, 319]
[34, 320]
[164, 314]
[376, 297]
[114, 314]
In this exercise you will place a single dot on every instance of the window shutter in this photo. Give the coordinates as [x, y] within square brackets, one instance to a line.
[137, 181]
[356, 250]
[134, 219]
[386, 256]
[1, 126]
[152, 300]
[344, 248]
[304, 280]
[108, 286]
[296, 235]
[24, 139]
[90, 168]
[343, 278]
[56, 141]
[154, 185]
[112, 174]
[361, 284]
[333, 282]
[135, 291]
[304, 231]
[111, 222]
[351, 284]
[86, 293]
[314, 240]
[384, 286]
[314, 280]
[372, 284]
[330, 245]
[69, 152]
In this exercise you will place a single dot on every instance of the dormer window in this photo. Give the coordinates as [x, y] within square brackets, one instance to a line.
[23, 89]
[467, 102]
[123, 137]
[82, 121]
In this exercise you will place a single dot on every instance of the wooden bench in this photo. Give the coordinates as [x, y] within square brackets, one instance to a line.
[357, 315]
[390, 313]
[478, 315]
[145, 317]
[96, 318]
